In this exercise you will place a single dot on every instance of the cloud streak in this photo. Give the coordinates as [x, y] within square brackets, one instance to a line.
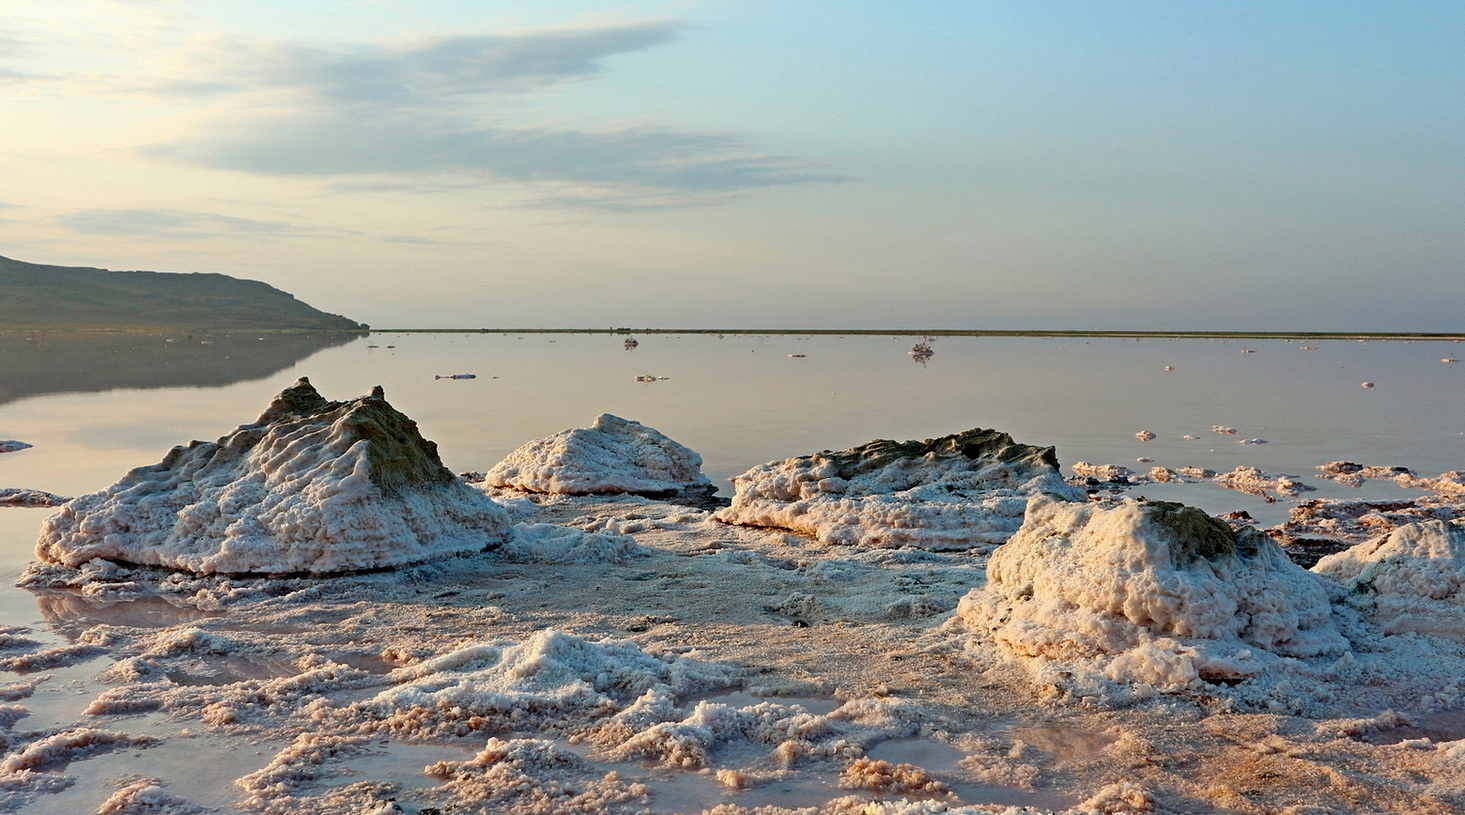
[167, 223]
[424, 111]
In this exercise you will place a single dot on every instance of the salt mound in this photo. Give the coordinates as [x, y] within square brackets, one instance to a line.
[1415, 576]
[613, 455]
[953, 492]
[1155, 593]
[311, 486]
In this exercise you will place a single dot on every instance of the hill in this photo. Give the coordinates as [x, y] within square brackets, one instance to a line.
[34, 296]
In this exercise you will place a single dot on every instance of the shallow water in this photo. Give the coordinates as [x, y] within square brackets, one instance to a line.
[739, 401]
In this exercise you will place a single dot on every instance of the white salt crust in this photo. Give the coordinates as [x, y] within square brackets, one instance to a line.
[613, 455]
[1109, 586]
[1412, 579]
[287, 493]
[930, 502]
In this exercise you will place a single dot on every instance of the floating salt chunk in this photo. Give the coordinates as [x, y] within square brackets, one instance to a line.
[1450, 360]
[1253, 481]
[19, 497]
[1112, 589]
[311, 486]
[613, 455]
[650, 378]
[1367, 384]
[796, 356]
[952, 492]
[1112, 472]
[1224, 430]
[1169, 367]
[1189, 437]
[457, 376]
[12, 446]
[1247, 351]
[1251, 441]
[1145, 435]
[1145, 460]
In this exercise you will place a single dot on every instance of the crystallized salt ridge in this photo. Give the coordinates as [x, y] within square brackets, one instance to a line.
[613, 455]
[1155, 593]
[518, 683]
[1414, 577]
[311, 486]
[952, 492]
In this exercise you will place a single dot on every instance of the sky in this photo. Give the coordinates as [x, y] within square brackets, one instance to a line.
[949, 164]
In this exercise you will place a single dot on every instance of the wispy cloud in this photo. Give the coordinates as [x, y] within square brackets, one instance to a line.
[423, 115]
[171, 224]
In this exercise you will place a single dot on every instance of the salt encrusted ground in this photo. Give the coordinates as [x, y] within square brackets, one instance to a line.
[624, 655]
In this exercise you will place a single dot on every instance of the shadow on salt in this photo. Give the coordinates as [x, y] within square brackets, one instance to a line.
[1444, 726]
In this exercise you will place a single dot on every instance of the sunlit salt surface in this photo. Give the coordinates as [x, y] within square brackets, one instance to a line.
[738, 401]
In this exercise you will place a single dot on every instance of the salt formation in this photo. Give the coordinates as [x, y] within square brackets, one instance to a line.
[952, 492]
[311, 486]
[1414, 577]
[1153, 593]
[1252, 481]
[613, 455]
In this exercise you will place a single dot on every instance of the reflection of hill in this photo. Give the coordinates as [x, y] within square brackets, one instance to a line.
[67, 297]
[82, 363]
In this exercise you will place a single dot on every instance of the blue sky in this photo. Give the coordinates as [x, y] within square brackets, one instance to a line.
[446, 163]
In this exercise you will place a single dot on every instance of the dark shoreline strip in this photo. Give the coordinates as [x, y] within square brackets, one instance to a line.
[903, 332]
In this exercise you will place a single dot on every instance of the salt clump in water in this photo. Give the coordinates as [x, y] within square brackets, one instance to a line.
[311, 486]
[613, 455]
[952, 492]
[1413, 577]
[1152, 593]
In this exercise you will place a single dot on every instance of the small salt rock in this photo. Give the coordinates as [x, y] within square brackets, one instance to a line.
[1169, 367]
[1189, 437]
[1144, 435]
[1368, 384]
[1144, 460]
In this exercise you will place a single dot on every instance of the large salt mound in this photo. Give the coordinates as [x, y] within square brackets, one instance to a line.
[947, 493]
[1152, 593]
[613, 455]
[1414, 576]
[311, 486]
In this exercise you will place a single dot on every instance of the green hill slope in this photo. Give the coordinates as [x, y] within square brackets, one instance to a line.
[33, 296]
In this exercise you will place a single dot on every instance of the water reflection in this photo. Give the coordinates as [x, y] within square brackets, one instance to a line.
[37, 363]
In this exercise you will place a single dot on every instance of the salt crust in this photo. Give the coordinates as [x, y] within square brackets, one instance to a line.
[954, 492]
[613, 455]
[303, 621]
[1149, 593]
[1412, 578]
[311, 486]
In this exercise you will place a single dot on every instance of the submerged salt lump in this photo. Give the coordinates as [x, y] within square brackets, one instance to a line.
[1151, 593]
[613, 455]
[311, 486]
[953, 492]
[1414, 576]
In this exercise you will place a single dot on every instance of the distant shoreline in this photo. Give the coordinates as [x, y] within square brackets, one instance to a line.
[911, 332]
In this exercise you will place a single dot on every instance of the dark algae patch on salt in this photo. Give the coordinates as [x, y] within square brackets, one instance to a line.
[1196, 534]
[400, 457]
[976, 444]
